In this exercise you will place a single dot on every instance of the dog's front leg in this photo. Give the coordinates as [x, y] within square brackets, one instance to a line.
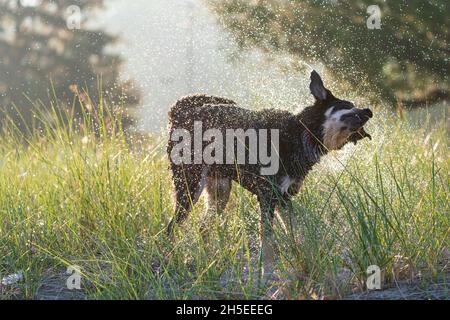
[286, 215]
[266, 235]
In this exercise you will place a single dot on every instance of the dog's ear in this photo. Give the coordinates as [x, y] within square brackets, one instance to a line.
[317, 88]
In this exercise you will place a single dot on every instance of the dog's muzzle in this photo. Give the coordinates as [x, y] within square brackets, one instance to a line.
[357, 125]
[357, 119]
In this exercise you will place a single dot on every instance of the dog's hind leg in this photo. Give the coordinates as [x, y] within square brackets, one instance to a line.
[189, 182]
[217, 195]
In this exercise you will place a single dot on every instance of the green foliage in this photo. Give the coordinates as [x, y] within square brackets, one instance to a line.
[85, 194]
[405, 60]
[38, 48]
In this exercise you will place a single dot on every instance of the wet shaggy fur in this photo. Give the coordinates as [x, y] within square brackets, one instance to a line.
[303, 139]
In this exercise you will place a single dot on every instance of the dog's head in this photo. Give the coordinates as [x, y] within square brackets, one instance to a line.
[334, 121]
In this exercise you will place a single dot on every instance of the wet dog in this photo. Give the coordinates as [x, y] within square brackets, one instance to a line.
[302, 139]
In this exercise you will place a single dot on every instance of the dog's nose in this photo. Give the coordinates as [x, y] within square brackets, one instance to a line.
[368, 113]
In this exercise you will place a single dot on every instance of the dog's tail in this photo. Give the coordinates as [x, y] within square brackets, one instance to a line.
[186, 104]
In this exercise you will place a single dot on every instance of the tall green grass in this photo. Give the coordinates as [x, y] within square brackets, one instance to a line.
[85, 193]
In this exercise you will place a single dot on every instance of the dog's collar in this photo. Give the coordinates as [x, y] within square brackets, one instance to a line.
[308, 136]
[311, 146]
[310, 139]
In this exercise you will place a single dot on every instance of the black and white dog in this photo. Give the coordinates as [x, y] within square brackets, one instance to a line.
[303, 139]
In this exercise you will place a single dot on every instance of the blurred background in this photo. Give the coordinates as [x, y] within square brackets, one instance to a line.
[142, 55]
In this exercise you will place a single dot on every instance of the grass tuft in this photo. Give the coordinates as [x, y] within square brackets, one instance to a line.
[83, 192]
